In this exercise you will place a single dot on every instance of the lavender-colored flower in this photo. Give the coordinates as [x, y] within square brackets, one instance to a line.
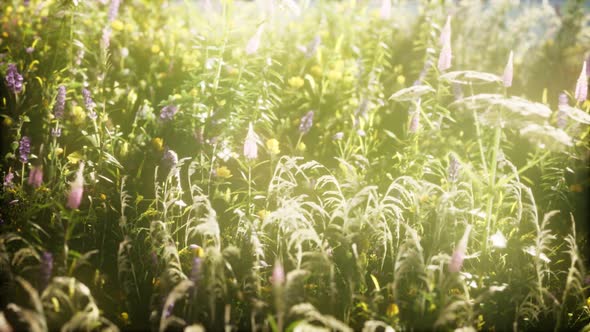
[167, 112]
[29, 50]
[306, 123]
[114, 9]
[79, 57]
[251, 144]
[454, 167]
[561, 114]
[444, 59]
[459, 254]
[385, 10]
[56, 132]
[105, 41]
[46, 268]
[582, 85]
[36, 176]
[254, 42]
[170, 158]
[8, 180]
[89, 103]
[361, 133]
[24, 149]
[76, 189]
[414, 123]
[60, 102]
[508, 71]
[14, 80]
[278, 274]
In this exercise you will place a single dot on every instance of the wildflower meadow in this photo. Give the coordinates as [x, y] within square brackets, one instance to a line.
[294, 165]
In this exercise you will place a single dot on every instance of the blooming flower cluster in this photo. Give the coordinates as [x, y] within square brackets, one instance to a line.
[306, 123]
[14, 80]
[251, 144]
[24, 149]
[60, 102]
[167, 112]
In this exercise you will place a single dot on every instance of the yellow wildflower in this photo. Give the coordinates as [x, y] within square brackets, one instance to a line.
[401, 79]
[296, 82]
[118, 25]
[223, 172]
[301, 147]
[78, 115]
[7, 121]
[197, 250]
[155, 49]
[262, 214]
[158, 144]
[103, 197]
[125, 317]
[273, 146]
[392, 310]
[316, 71]
[59, 151]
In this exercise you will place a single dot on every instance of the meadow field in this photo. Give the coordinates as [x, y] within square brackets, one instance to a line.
[294, 165]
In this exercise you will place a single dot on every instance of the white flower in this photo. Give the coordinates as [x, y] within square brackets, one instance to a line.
[385, 11]
[498, 240]
[582, 85]
[250, 144]
[254, 42]
[444, 60]
[508, 71]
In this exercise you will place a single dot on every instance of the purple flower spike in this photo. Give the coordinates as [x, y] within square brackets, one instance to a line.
[306, 123]
[24, 149]
[60, 102]
[8, 180]
[14, 80]
[46, 268]
[114, 9]
[89, 103]
[170, 158]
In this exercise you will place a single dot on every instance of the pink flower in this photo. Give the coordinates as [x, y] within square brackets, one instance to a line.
[250, 145]
[278, 274]
[254, 42]
[76, 189]
[445, 33]
[508, 71]
[444, 59]
[459, 254]
[385, 11]
[36, 176]
[582, 85]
